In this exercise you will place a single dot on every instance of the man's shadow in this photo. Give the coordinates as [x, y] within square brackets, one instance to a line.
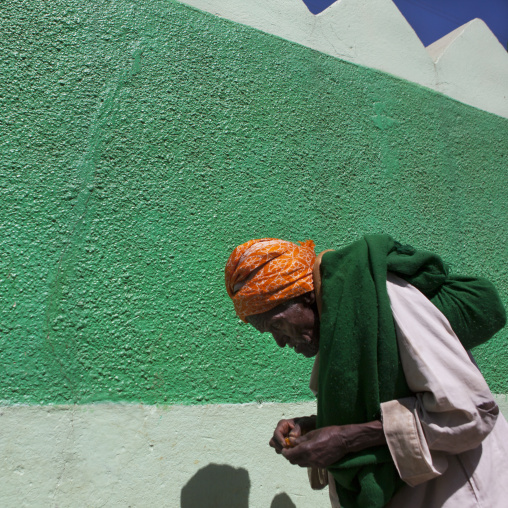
[223, 486]
[217, 486]
[282, 501]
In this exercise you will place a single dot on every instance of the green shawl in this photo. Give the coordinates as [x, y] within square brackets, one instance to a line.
[359, 362]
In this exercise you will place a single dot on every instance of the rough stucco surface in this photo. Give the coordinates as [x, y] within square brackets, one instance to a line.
[143, 456]
[141, 142]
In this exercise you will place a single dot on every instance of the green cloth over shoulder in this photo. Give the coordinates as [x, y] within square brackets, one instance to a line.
[359, 361]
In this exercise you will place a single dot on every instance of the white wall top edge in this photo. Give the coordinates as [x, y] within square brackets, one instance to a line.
[437, 48]
[472, 67]
[468, 65]
[300, 407]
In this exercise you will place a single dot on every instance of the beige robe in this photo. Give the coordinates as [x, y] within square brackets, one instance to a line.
[449, 442]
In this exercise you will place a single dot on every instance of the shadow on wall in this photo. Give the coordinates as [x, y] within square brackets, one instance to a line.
[220, 486]
[282, 501]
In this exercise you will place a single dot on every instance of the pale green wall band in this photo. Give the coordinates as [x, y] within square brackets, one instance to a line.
[140, 456]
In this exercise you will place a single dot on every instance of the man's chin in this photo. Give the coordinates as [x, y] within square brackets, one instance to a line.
[309, 353]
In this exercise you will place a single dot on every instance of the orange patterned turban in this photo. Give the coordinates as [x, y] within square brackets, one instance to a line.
[262, 274]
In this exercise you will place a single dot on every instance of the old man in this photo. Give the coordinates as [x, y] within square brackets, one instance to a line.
[404, 417]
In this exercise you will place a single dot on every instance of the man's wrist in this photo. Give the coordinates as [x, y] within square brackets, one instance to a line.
[363, 435]
[306, 423]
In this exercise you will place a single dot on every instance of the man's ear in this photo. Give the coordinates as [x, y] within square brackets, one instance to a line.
[309, 298]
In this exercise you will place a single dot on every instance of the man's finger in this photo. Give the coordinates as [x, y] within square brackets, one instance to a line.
[281, 432]
[296, 431]
[274, 444]
[298, 440]
[295, 457]
[294, 453]
[284, 426]
[278, 438]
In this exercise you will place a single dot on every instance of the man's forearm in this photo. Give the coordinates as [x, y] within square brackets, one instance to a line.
[326, 445]
[363, 435]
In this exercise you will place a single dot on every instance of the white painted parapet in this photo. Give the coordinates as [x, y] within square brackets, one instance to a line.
[469, 64]
[372, 33]
[472, 67]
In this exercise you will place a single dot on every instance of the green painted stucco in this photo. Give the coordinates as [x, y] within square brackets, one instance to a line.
[142, 141]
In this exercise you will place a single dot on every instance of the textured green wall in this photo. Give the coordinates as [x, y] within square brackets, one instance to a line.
[142, 141]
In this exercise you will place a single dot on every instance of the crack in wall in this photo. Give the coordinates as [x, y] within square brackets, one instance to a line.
[69, 439]
[102, 123]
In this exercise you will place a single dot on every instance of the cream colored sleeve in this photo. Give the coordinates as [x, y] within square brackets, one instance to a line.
[452, 410]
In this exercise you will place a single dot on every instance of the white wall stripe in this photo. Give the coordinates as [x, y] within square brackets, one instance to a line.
[143, 456]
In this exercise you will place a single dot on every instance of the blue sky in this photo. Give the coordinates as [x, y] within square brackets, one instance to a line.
[432, 19]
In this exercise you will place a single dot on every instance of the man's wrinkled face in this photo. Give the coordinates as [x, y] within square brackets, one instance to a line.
[295, 324]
